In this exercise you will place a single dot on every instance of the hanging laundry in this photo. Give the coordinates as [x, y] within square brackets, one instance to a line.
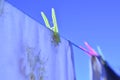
[101, 70]
[95, 69]
[110, 73]
[27, 52]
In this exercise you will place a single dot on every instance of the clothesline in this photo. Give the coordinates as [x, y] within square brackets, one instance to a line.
[87, 52]
[51, 30]
[56, 35]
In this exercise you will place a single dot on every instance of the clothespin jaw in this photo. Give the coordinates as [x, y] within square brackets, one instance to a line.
[90, 50]
[46, 20]
[55, 27]
[56, 37]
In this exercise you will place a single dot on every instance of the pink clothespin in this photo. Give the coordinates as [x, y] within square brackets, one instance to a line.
[90, 50]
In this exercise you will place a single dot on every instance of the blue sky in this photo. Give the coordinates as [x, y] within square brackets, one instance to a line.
[94, 21]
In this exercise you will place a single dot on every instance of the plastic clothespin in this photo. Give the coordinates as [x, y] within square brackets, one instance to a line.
[90, 50]
[1, 6]
[100, 52]
[56, 36]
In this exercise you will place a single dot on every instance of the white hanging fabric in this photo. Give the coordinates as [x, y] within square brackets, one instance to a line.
[27, 50]
[98, 69]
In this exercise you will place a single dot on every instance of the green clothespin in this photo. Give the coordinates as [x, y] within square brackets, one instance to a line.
[56, 36]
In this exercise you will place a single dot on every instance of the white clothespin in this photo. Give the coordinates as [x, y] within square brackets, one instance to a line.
[100, 52]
